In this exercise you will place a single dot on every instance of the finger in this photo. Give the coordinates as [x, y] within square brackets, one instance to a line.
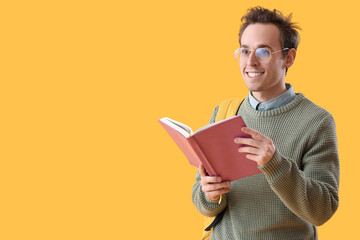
[253, 157]
[260, 161]
[210, 179]
[215, 186]
[254, 134]
[248, 141]
[202, 170]
[252, 150]
[214, 195]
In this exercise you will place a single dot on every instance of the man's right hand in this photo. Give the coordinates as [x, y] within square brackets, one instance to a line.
[213, 187]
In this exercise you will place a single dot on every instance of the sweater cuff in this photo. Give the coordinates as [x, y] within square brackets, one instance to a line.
[210, 205]
[275, 168]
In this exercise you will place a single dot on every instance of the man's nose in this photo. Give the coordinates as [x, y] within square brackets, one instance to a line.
[252, 60]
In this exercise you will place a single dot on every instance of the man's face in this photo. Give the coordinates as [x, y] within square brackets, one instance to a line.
[263, 78]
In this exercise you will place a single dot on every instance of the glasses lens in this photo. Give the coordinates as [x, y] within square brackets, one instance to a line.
[237, 55]
[263, 55]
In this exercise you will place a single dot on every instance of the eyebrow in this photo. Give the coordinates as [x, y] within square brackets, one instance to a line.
[258, 46]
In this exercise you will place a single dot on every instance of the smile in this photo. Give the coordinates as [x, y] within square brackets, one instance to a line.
[253, 74]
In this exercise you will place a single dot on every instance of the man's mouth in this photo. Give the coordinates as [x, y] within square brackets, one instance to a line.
[254, 74]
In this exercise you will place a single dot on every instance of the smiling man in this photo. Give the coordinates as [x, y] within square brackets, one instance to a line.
[293, 142]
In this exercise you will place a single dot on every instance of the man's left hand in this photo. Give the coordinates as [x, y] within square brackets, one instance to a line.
[259, 148]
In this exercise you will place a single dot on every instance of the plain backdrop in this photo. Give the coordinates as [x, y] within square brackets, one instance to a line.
[83, 83]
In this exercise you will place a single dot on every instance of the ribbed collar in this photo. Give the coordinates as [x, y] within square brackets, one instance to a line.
[249, 109]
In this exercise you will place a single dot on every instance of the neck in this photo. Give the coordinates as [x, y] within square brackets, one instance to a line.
[264, 96]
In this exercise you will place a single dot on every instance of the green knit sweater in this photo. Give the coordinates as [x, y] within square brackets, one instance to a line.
[297, 189]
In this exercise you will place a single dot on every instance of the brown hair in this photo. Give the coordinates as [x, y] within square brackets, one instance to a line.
[289, 36]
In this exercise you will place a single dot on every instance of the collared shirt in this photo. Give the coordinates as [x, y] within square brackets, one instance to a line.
[277, 102]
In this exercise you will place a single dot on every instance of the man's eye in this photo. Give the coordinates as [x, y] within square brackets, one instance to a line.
[263, 52]
[245, 51]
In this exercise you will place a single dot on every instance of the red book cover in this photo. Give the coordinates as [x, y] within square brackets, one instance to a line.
[214, 146]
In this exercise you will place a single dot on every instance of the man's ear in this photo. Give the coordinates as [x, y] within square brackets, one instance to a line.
[290, 58]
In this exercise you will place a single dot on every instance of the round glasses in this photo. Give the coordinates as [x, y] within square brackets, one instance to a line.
[263, 55]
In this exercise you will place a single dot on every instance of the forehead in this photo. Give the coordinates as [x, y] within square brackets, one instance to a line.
[260, 34]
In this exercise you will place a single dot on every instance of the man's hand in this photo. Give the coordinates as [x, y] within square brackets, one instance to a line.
[259, 148]
[213, 187]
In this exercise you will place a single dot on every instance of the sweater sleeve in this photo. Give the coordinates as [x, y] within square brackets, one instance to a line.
[205, 205]
[311, 193]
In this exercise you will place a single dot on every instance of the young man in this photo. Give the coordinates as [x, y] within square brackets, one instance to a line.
[293, 142]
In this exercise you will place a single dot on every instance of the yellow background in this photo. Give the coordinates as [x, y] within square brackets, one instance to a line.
[84, 82]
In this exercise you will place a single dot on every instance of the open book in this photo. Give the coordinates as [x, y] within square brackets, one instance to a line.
[214, 147]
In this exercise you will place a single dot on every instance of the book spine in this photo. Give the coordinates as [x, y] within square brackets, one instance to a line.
[201, 156]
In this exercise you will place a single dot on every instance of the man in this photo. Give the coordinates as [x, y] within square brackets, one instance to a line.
[293, 142]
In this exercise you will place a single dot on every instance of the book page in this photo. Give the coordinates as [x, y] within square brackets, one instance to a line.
[178, 126]
[211, 124]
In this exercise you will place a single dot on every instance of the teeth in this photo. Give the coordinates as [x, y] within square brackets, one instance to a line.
[254, 74]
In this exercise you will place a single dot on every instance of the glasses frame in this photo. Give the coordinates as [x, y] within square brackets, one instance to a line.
[254, 50]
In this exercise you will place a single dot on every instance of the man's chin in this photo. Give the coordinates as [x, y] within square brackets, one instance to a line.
[253, 88]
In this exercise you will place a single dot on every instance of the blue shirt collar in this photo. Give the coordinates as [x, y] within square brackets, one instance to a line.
[274, 103]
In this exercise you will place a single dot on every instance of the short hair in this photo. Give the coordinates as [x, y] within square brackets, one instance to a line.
[289, 36]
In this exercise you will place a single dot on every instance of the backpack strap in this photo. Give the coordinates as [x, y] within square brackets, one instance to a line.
[227, 108]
